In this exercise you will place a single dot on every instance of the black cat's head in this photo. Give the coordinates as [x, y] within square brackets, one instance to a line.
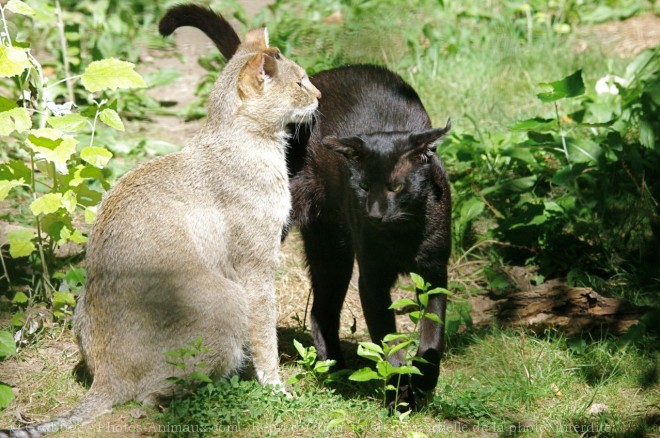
[390, 171]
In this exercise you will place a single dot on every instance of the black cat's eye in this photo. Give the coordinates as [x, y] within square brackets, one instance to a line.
[364, 186]
[396, 188]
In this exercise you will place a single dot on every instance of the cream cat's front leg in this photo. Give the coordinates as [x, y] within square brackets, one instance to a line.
[263, 328]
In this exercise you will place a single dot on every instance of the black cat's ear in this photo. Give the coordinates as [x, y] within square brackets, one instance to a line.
[350, 147]
[424, 143]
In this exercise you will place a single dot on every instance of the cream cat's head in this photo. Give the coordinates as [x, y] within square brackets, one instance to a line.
[272, 88]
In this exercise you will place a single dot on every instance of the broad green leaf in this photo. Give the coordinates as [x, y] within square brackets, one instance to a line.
[571, 86]
[6, 395]
[45, 137]
[406, 369]
[364, 375]
[7, 344]
[63, 299]
[111, 74]
[49, 203]
[433, 317]
[646, 134]
[111, 118]
[521, 184]
[20, 243]
[50, 145]
[15, 170]
[295, 378]
[414, 316]
[370, 346]
[76, 276]
[200, 377]
[385, 369]
[299, 348]
[69, 201]
[423, 300]
[83, 172]
[7, 104]
[19, 7]
[418, 281]
[6, 186]
[13, 61]
[438, 291]
[395, 337]
[16, 119]
[96, 156]
[403, 302]
[398, 347]
[369, 353]
[415, 434]
[90, 215]
[583, 150]
[20, 298]
[18, 319]
[76, 236]
[535, 124]
[70, 123]
[323, 366]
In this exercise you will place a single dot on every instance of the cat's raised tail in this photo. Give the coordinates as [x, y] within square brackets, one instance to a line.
[214, 25]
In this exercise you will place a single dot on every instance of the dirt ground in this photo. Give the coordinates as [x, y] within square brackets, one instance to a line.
[41, 374]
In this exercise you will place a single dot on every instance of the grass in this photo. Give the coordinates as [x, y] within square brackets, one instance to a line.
[499, 381]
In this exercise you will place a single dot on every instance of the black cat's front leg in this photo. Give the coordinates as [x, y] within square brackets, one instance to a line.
[375, 284]
[330, 260]
[432, 335]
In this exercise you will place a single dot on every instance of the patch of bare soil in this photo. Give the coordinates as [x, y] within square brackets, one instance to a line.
[622, 38]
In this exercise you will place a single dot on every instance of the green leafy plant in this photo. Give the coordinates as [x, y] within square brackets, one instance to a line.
[182, 358]
[55, 165]
[575, 192]
[401, 345]
[7, 348]
[317, 369]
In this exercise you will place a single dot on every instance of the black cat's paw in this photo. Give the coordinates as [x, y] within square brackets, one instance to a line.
[402, 400]
[429, 378]
[430, 370]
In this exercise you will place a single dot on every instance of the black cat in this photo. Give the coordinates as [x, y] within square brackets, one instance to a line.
[367, 184]
[381, 197]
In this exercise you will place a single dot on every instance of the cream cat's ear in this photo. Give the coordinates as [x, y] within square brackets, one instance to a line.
[258, 70]
[256, 39]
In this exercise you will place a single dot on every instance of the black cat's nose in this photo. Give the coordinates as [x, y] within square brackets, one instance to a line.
[374, 214]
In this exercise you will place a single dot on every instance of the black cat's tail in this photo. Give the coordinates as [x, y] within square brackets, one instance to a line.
[213, 25]
[91, 406]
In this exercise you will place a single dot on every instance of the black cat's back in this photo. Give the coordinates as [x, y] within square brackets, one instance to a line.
[364, 99]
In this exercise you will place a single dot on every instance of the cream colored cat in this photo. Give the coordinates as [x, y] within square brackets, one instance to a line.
[187, 245]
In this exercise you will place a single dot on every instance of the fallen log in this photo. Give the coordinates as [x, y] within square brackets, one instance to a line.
[555, 305]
